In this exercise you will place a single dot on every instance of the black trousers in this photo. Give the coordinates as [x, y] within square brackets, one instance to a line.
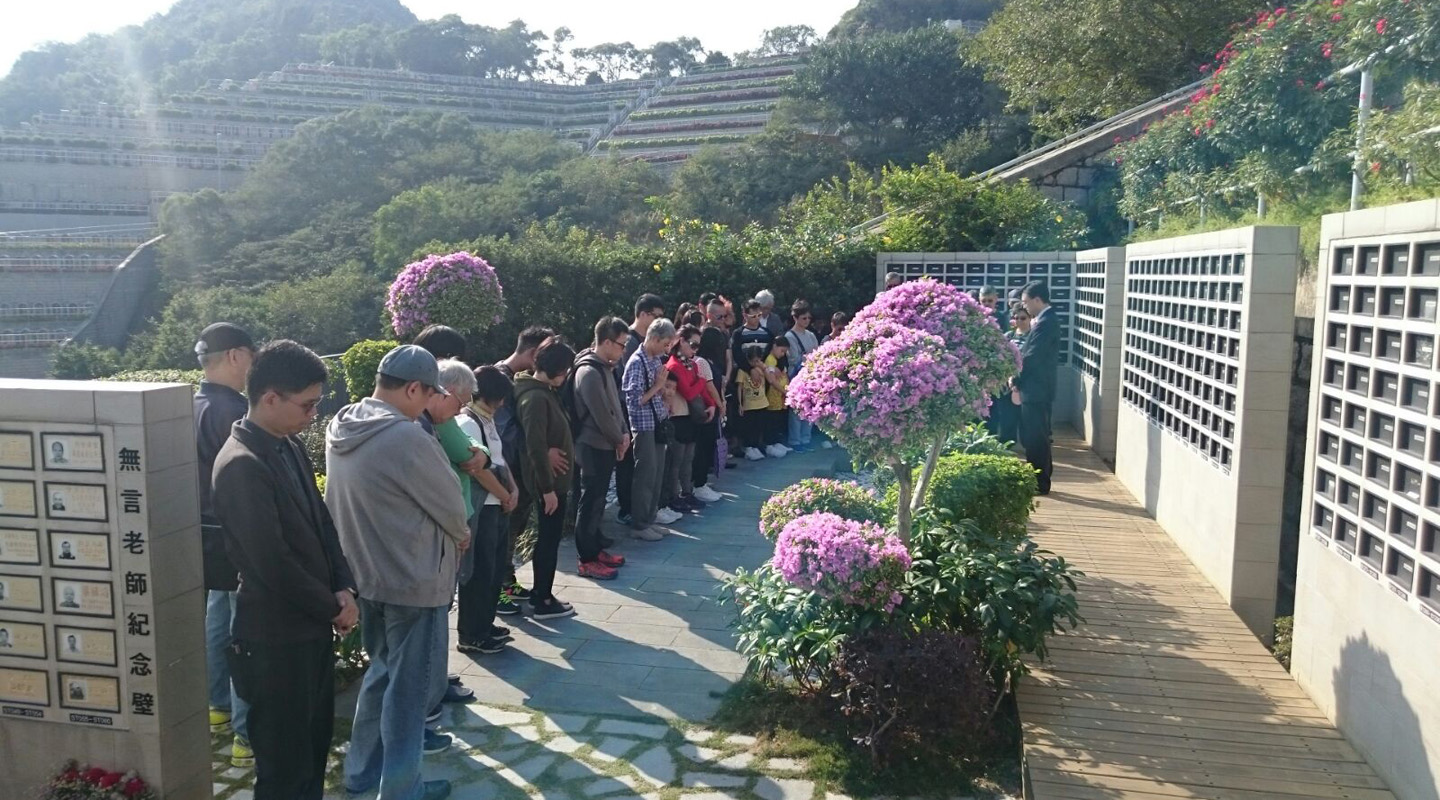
[549, 529]
[1035, 438]
[291, 691]
[480, 594]
[705, 435]
[751, 425]
[625, 481]
[518, 520]
[777, 426]
[595, 468]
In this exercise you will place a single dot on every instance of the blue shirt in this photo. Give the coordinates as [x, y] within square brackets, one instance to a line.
[640, 372]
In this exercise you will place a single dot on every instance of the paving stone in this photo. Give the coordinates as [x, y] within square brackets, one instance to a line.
[473, 737]
[563, 744]
[475, 716]
[512, 778]
[567, 723]
[243, 794]
[737, 761]
[604, 786]
[516, 735]
[741, 739]
[531, 768]
[571, 770]
[217, 788]
[699, 735]
[713, 796]
[644, 730]
[612, 747]
[448, 769]
[785, 765]
[236, 773]
[834, 796]
[784, 789]
[713, 780]
[656, 765]
[695, 752]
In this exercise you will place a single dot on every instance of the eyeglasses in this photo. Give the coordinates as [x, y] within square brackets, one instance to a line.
[308, 406]
[695, 343]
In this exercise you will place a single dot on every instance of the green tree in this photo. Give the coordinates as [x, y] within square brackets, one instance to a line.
[1071, 63]
[751, 182]
[369, 46]
[899, 94]
[327, 313]
[447, 210]
[786, 39]
[79, 361]
[871, 17]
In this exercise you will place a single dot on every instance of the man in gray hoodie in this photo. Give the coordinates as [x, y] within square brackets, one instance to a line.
[401, 519]
[604, 439]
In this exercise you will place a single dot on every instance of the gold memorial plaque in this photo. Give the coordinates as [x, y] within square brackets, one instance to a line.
[79, 550]
[87, 598]
[22, 639]
[90, 692]
[73, 452]
[19, 546]
[21, 593]
[27, 686]
[16, 450]
[85, 645]
[17, 499]
[75, 501]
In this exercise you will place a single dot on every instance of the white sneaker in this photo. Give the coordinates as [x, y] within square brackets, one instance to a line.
[666, 517]
[707, 494]
[786, 448]
[751, 454]
[647, 535]
[827, 444]
[775, 451]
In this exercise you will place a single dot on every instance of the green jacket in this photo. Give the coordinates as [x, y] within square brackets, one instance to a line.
[457, 444]
[543, 419]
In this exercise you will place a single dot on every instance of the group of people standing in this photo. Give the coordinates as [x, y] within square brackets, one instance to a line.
[429, 482]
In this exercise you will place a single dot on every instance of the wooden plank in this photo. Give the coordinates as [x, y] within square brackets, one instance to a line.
[1249, 779]
[1100, 749]
[1326, 749]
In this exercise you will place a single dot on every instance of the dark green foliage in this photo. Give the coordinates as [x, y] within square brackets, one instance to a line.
[752, 182]
[996, 491]
[190, 376]
[83, 362]
[916, 693]
[360, 363]
[1284, 640]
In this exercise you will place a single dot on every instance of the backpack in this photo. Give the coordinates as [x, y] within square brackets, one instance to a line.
[567, 398]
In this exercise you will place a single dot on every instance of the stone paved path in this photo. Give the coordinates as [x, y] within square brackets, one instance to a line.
[611, 703]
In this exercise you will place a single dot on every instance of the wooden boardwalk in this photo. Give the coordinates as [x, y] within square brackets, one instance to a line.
[1163, 693]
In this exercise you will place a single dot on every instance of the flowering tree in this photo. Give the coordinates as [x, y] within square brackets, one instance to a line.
[855, 563]
[460, 290]
[915, 365]
[842, 498]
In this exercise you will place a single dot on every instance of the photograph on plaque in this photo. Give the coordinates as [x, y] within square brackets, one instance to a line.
[28, 686]
[75, 501]
[79, 550]
[85, 645]
[17, 499]
[89, 692]
[22, 639]
[21, 593]
[19, 546]
[73, 452]
[87, 598]
[15, 450]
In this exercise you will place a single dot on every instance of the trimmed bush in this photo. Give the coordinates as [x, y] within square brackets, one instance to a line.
[190, 376]
[997, 492]
[815, 495]
[360, 363]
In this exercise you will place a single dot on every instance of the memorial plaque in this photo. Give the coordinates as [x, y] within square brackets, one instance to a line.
[87, 598]
[16, 450]
[89, 692]
[76, 501]
[65, 452]
[85, 645]
[22, 640]
[19, 546]
[28, 686]
[17, 499]
[21, 593]
[72, 550]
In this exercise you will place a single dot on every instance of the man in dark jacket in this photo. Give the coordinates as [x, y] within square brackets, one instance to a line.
[604, 438]
[1036, 381]
[512, 438]
[549, 450]
[295, 584]
[225, 352]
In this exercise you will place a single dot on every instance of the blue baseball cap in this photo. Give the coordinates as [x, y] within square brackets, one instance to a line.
[410, 362]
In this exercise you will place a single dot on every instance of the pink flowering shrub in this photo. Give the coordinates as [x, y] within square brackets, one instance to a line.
[460, 290]
[854, 563]
[841, 498]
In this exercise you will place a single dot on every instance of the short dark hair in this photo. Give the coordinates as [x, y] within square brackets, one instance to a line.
[685, 332]
[531, 337]
[839, 316]
[696, 318]
[491, 385]
[285, 367]
[610, 328]
[754, 350]
[751, 305]
[648, 304]
[799, 308]
[554, 357]
[442, 341]
[670, 376]
[780, 341]
[707, 297]
[389, 383]
[1037, 290]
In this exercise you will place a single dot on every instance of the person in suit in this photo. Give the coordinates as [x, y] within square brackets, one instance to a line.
[1035, 384]
[296, 587]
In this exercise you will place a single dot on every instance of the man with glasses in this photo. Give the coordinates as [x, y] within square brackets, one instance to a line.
[295, 583]
[225, 352]
[603, 440]
[402, 521]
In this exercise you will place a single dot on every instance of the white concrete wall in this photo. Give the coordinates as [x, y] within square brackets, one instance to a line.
[1367, 628]
[1095, 354]
[1211, 469]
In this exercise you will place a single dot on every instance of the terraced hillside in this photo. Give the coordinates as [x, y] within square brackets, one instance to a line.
[723, 106]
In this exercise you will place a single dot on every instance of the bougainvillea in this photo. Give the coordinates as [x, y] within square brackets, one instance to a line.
[855, 563]
[460, 290]
[842, 498]
[968, 328]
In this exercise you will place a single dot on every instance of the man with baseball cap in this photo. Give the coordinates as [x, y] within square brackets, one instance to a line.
[225, 352]
[402, 524]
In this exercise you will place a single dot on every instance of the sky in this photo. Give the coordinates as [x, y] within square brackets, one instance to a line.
[729, 26]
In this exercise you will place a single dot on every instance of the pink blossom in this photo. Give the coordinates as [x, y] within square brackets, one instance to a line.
[856, 563]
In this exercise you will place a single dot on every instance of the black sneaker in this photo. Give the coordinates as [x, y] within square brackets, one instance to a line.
[625, 519]
[435, 790]
[500, 632]
[518, 593]
[488, 646]
[436, 742]
[551, 609]
[506, 606]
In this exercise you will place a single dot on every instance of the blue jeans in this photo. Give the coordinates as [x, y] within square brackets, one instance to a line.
[799, 431]
[219, 615]
[405, 656]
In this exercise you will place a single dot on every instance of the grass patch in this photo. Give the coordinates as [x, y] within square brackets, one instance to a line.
[789, 724]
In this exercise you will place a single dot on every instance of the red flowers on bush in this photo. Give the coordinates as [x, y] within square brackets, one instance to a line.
[82, 782]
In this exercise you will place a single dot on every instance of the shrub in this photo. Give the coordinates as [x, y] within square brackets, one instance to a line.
[854, 563]
[190, 376]
[925, 690]
[997, 492]
[841, 498]
[784, 630]
[360, 363]
[460, 290]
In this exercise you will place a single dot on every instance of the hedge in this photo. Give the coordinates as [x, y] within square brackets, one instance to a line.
[360, 364]
[998, 492]
[190, 376]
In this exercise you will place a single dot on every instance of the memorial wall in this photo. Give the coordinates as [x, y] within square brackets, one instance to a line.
[1095, 345]
[102, 654]
[1367, 595]
[1200, 437]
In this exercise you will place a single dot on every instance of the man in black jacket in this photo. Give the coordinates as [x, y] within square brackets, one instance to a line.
[295, 585]
[1036, 381]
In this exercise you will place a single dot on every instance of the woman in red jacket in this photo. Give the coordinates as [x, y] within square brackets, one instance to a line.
[697, 393]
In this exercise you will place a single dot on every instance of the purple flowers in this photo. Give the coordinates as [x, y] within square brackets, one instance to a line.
[842, 498]
[460, 290]
[855, 563]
